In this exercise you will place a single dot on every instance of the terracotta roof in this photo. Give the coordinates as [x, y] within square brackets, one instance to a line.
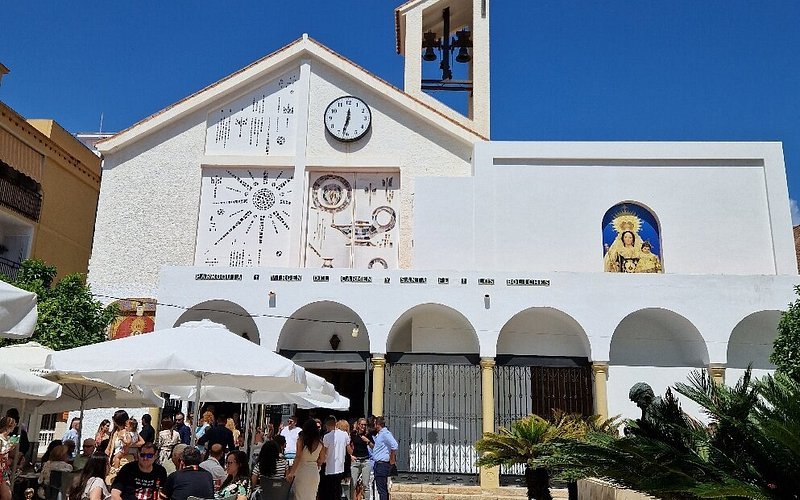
[796, 230]
[389, 87]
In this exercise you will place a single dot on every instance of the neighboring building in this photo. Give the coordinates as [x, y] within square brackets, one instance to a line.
[49, 184]
[458, 283]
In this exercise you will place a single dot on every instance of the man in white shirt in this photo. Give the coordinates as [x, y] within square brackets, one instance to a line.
[335, 442]
[214, 465]
[291, 433]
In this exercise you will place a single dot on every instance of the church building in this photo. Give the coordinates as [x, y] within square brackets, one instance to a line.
[378, 237]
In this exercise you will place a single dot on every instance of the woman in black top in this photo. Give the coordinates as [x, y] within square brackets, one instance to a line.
[360, 467]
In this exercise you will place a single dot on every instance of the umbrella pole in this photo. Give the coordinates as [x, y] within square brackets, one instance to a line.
[249, 418]
[15, 466]
[80, 428]
[196, 419]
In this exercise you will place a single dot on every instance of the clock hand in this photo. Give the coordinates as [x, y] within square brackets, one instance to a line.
[346, 121]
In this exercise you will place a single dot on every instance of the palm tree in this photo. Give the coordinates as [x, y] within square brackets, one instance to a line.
[754, 451]
[530, 441]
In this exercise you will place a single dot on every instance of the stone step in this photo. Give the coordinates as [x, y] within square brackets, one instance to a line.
[405, 491]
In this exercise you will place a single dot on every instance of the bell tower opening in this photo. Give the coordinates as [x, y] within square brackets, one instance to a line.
[446, 48]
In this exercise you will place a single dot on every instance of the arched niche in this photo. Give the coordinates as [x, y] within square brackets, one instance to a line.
[433, 328]
[312, 327]
[657, 337]
[752, 339]
[543, 331]
[631, 237]
[232, 315]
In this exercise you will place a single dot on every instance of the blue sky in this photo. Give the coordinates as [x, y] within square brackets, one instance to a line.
[561, 70]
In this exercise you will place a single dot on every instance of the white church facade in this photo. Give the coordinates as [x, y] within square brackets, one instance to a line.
[450, 282]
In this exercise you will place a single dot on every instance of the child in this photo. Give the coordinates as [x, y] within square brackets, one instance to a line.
[648, 262]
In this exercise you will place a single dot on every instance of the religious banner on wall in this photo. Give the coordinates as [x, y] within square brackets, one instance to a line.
[262, 122]
[352, 220]
[631, 242]
[245, 217]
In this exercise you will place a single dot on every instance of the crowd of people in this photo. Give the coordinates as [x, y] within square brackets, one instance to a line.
[327, 460]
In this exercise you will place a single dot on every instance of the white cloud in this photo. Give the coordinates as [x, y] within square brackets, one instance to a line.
[795, 211]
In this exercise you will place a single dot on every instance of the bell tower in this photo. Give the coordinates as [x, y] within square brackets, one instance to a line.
[446, 48]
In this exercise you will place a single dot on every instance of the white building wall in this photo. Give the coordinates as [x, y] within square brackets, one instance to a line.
[148, 209]
[713, 305]
[722, 207]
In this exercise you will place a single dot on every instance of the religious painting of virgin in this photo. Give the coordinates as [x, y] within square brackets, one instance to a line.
[631, 240]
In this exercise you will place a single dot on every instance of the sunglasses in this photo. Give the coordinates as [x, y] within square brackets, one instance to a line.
[147, 455]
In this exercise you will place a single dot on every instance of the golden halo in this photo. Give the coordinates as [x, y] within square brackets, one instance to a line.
[625, 220]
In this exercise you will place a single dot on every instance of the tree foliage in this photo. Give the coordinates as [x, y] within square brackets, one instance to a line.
[786, 351]
[68, 314]
[753, 451]
[533, 441]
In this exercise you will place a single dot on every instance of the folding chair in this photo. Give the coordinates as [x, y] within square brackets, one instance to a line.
[275, 489]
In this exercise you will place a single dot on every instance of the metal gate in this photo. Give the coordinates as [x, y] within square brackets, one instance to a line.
[434, 412]
[522, 388]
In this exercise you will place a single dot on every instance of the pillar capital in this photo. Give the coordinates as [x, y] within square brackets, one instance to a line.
[487, 363]
[599, 367]
[717, 372]
[378, 360]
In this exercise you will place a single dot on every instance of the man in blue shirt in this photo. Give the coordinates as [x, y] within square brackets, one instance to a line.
[384, 453]
[183, 430]
[72, 434]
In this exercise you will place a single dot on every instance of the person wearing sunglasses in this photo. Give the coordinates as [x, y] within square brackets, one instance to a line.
[140, 479]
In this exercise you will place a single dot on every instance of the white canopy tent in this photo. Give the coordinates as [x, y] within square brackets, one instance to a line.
[320, 394]
[196, 353]
[23, 385]
[17, 312]
[78, 392]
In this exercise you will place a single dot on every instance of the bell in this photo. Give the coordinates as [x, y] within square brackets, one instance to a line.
[428, 43]
[463, 42]
[463, 55]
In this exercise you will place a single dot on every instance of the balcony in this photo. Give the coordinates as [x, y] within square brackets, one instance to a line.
[9, 267]
[24, 201]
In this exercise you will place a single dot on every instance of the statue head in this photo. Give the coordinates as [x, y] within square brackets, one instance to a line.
[642, 394]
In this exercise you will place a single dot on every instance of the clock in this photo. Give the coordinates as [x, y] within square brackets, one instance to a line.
[347, 118]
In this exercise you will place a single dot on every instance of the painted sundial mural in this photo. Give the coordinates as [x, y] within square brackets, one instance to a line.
[631, 240]
[245, 217]
[262, 122]
[352, 220]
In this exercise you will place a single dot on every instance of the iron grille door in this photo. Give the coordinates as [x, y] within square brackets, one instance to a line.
[568, 389]
[524, 390]
[434, 412]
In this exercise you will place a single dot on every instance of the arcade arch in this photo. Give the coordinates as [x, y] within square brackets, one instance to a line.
[657, 337]
[319, 337]
[233, 316]
[657, 346]
[542, 365]
[751, 342]
[432, 328]
[433, 390]
[543, 331]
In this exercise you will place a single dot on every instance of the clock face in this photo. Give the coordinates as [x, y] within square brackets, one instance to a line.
[348, 118]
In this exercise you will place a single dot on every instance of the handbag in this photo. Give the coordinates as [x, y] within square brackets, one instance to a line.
[393, 470]
[358, 493]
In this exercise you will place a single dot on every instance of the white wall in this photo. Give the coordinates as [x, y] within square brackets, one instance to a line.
[723, 207]
[148, 208]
